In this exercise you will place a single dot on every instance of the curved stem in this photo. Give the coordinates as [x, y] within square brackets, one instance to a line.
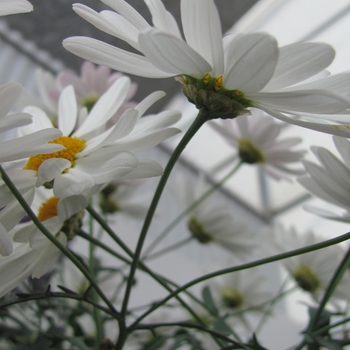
[199, 121]
[189, 209]
[53, 239]
[255, 263]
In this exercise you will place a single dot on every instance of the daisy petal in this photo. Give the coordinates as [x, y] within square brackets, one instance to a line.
[50, 168]
[343, 147]
[67, 110]
[69, 206]
[9, 7]
[250, 62]
[9, 95]
[298, 62]
[6, 246]
[171, 54]
[149, 101]
[40, 120]
[345, 217]
[202, 29]
[14, 120]
[145, 168]
[107, 55]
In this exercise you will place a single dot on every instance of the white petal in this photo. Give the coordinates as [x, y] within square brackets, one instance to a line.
[202, 29]
[309, 101]
[148, 102]
[51, 168]
[72, 183]
[107, 55]
[106, 106]
[145, 168]
[163, 19]
[298, 62]
[67, 110]
[343, 147]
[250, 61]
[9, 7]
[9, 95]
[71, 205]
[40, 120]
[14, 120]
[171, 54]
[328, 214]
[6, 246]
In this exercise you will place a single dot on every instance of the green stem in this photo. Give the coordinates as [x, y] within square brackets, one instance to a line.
[338, 274]
[189, 209]
[53, 239]
[255, 263]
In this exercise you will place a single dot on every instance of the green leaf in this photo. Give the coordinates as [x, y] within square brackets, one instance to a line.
[222, 327]
[208, 300]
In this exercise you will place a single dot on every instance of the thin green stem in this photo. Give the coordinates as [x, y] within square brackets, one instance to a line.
[189, 209]
[255, 263]
[53, 239]
[169, 249]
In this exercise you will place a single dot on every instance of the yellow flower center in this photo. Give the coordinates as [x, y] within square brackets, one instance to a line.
[232, 298]
[73, 146]
[197, 230]
[48, 209]
[249, 153]
[306, 278]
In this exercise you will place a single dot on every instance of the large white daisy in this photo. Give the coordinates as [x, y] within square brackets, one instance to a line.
[256, 138]
[330, 181]
[93, 155]
[225, 76]
[10, 7]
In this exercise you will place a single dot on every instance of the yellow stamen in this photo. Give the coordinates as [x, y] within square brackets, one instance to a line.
[73, 146]
[218, 83]
[237, 92]
[206, 78]
[48, 209]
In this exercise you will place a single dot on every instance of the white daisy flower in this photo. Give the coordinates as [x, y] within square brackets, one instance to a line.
[330, 180]
[311, 271]
[31, 144]
[93, 155]
[225, 76]
[212, 223]
[89, 86]
[10, 7]
[256, 138]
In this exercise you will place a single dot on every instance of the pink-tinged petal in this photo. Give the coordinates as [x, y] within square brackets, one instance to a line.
[332, 129]
[298, 62]
[9, 95]
[107, 55]
[50, 169]
[71, 205]
[110, 23]
[149, 101]
[172, 55]
[72, 183]
[66, 78]
[128, 12]
[202, 29]
[67, 110]
[145, 168]
[29, 145]
[163, 19]
[106, 106]
[6, 245]
[250, 61]
[308, 101]
[14, 120]
[9, 7]
[40, 121]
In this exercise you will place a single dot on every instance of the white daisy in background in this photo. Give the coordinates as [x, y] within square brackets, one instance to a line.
[256, 138]
[93, 155]
[89, 86]
[212, 223]
[330, 181]
[10, 7]
[311, 271]
[226, 75]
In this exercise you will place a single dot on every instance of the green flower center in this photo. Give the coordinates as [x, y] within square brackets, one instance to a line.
[210, 94]
[232, 298]
[89, 102]
[306, 278]
[197, 230]
[106, 200]
[249, 153]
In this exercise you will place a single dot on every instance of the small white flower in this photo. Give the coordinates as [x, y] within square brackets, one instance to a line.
[10, 7]
[330, 180]
[93, 155]
[224, 75]
[311, 271]
[256, 138]
[212, 223]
